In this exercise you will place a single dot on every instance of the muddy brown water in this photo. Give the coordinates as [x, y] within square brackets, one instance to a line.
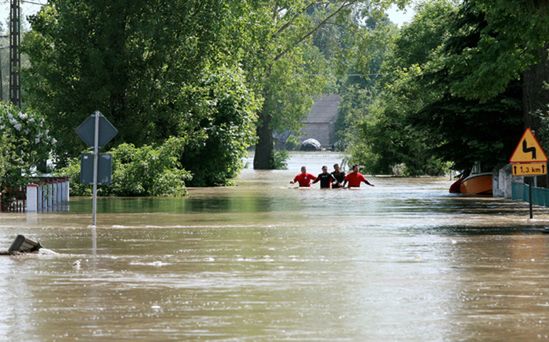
[260, 261]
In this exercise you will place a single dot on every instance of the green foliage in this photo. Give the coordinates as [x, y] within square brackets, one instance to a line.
[289, 69]
[126, 58]
[507, 37]
[25, 143]
[292, 143]
[444, 96]
[149, 171]
[293, 83]
[138, 171]
[72, 170]
[280, 158]
[147, 65]
[218, 113]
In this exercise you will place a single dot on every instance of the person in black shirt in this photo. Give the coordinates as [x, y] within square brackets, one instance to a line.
[339, 177]
[326, 179]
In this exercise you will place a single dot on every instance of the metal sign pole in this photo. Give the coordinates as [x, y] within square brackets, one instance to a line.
[95, 162]
[530, 198]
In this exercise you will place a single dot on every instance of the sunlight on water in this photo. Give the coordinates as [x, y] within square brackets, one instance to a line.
[263, 261]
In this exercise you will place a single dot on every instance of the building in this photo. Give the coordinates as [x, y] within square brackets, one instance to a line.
[321, 120]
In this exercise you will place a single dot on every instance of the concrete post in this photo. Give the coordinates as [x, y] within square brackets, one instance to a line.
[45, 197]
[54, 193]
[59, 185]
[39, 198]
[67, 189]
[49, 206]
[32, 197]
[63, 190]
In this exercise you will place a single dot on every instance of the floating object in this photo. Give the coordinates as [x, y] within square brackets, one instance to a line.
[310, 145]
[23, 245]
[477, 184]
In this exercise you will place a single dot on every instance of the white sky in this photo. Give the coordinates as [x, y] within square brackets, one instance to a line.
[400, 17]
[26, 9]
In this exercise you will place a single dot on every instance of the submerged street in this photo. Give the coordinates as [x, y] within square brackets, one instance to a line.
[404, 260]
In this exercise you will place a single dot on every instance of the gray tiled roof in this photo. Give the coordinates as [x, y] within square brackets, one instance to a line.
[324, 109]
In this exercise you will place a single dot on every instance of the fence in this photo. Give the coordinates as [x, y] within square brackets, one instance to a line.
[540, 196]
[13, 200]
[43, 194]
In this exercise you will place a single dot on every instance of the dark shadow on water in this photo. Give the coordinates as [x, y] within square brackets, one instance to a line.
[483, 230]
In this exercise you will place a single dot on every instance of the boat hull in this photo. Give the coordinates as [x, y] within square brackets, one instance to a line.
[479, 184]
[455, 187]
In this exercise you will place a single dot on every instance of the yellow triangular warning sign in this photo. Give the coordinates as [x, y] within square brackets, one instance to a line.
[528, 150]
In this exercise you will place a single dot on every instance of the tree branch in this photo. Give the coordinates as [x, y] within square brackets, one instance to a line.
[308, 34]
[291, 21]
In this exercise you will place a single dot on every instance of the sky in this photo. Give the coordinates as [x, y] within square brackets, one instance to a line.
[26, 9]
[400, 17]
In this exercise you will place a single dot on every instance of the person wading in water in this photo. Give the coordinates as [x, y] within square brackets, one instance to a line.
[326, 179]
[304, 179]
[355, 178]
[339, 177]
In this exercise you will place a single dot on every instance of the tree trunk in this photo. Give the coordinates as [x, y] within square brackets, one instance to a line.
[264, 149]
[535, 95]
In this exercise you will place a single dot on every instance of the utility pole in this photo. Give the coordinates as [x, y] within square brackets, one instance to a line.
[15, 52]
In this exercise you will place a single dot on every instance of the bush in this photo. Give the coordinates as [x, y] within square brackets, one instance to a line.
[139, 171]
[25, 142]
[280, 159]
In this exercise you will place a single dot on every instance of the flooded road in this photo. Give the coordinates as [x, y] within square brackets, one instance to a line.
[261, 261]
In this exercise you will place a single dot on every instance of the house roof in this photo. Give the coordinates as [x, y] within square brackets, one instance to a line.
[324, 110]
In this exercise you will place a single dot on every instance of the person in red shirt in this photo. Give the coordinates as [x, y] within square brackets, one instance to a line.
[355, 178]
[304, 179]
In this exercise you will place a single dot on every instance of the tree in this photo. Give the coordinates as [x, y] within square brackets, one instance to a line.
[137, 61]
[511, 43]
[287, 34]
[419, 118]
[218, 116]
[126, 58]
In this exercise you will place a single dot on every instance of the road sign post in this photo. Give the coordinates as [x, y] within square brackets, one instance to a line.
[530, 199]
[96, 131]
[529, 160]
[95, 160]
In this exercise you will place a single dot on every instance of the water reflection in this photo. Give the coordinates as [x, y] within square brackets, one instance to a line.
[260, 261]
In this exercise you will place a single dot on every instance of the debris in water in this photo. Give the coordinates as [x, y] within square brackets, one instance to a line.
[22, 245]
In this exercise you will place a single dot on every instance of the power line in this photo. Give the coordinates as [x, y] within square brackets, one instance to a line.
[33, 3]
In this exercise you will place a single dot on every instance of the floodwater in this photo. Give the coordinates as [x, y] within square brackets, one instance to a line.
[263, 262]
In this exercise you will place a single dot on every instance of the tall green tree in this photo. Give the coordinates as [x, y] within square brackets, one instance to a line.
[125, 58]
[512, 44]
[453, 86]
[287, 34]
[138, 62]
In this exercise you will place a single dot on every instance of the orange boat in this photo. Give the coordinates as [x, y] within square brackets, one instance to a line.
[477, 184]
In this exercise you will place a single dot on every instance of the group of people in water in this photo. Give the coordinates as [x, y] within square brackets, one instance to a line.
[334, 180]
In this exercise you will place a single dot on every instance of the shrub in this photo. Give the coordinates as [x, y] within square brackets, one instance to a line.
[280, 159]
[25, 142]
[139, 171]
